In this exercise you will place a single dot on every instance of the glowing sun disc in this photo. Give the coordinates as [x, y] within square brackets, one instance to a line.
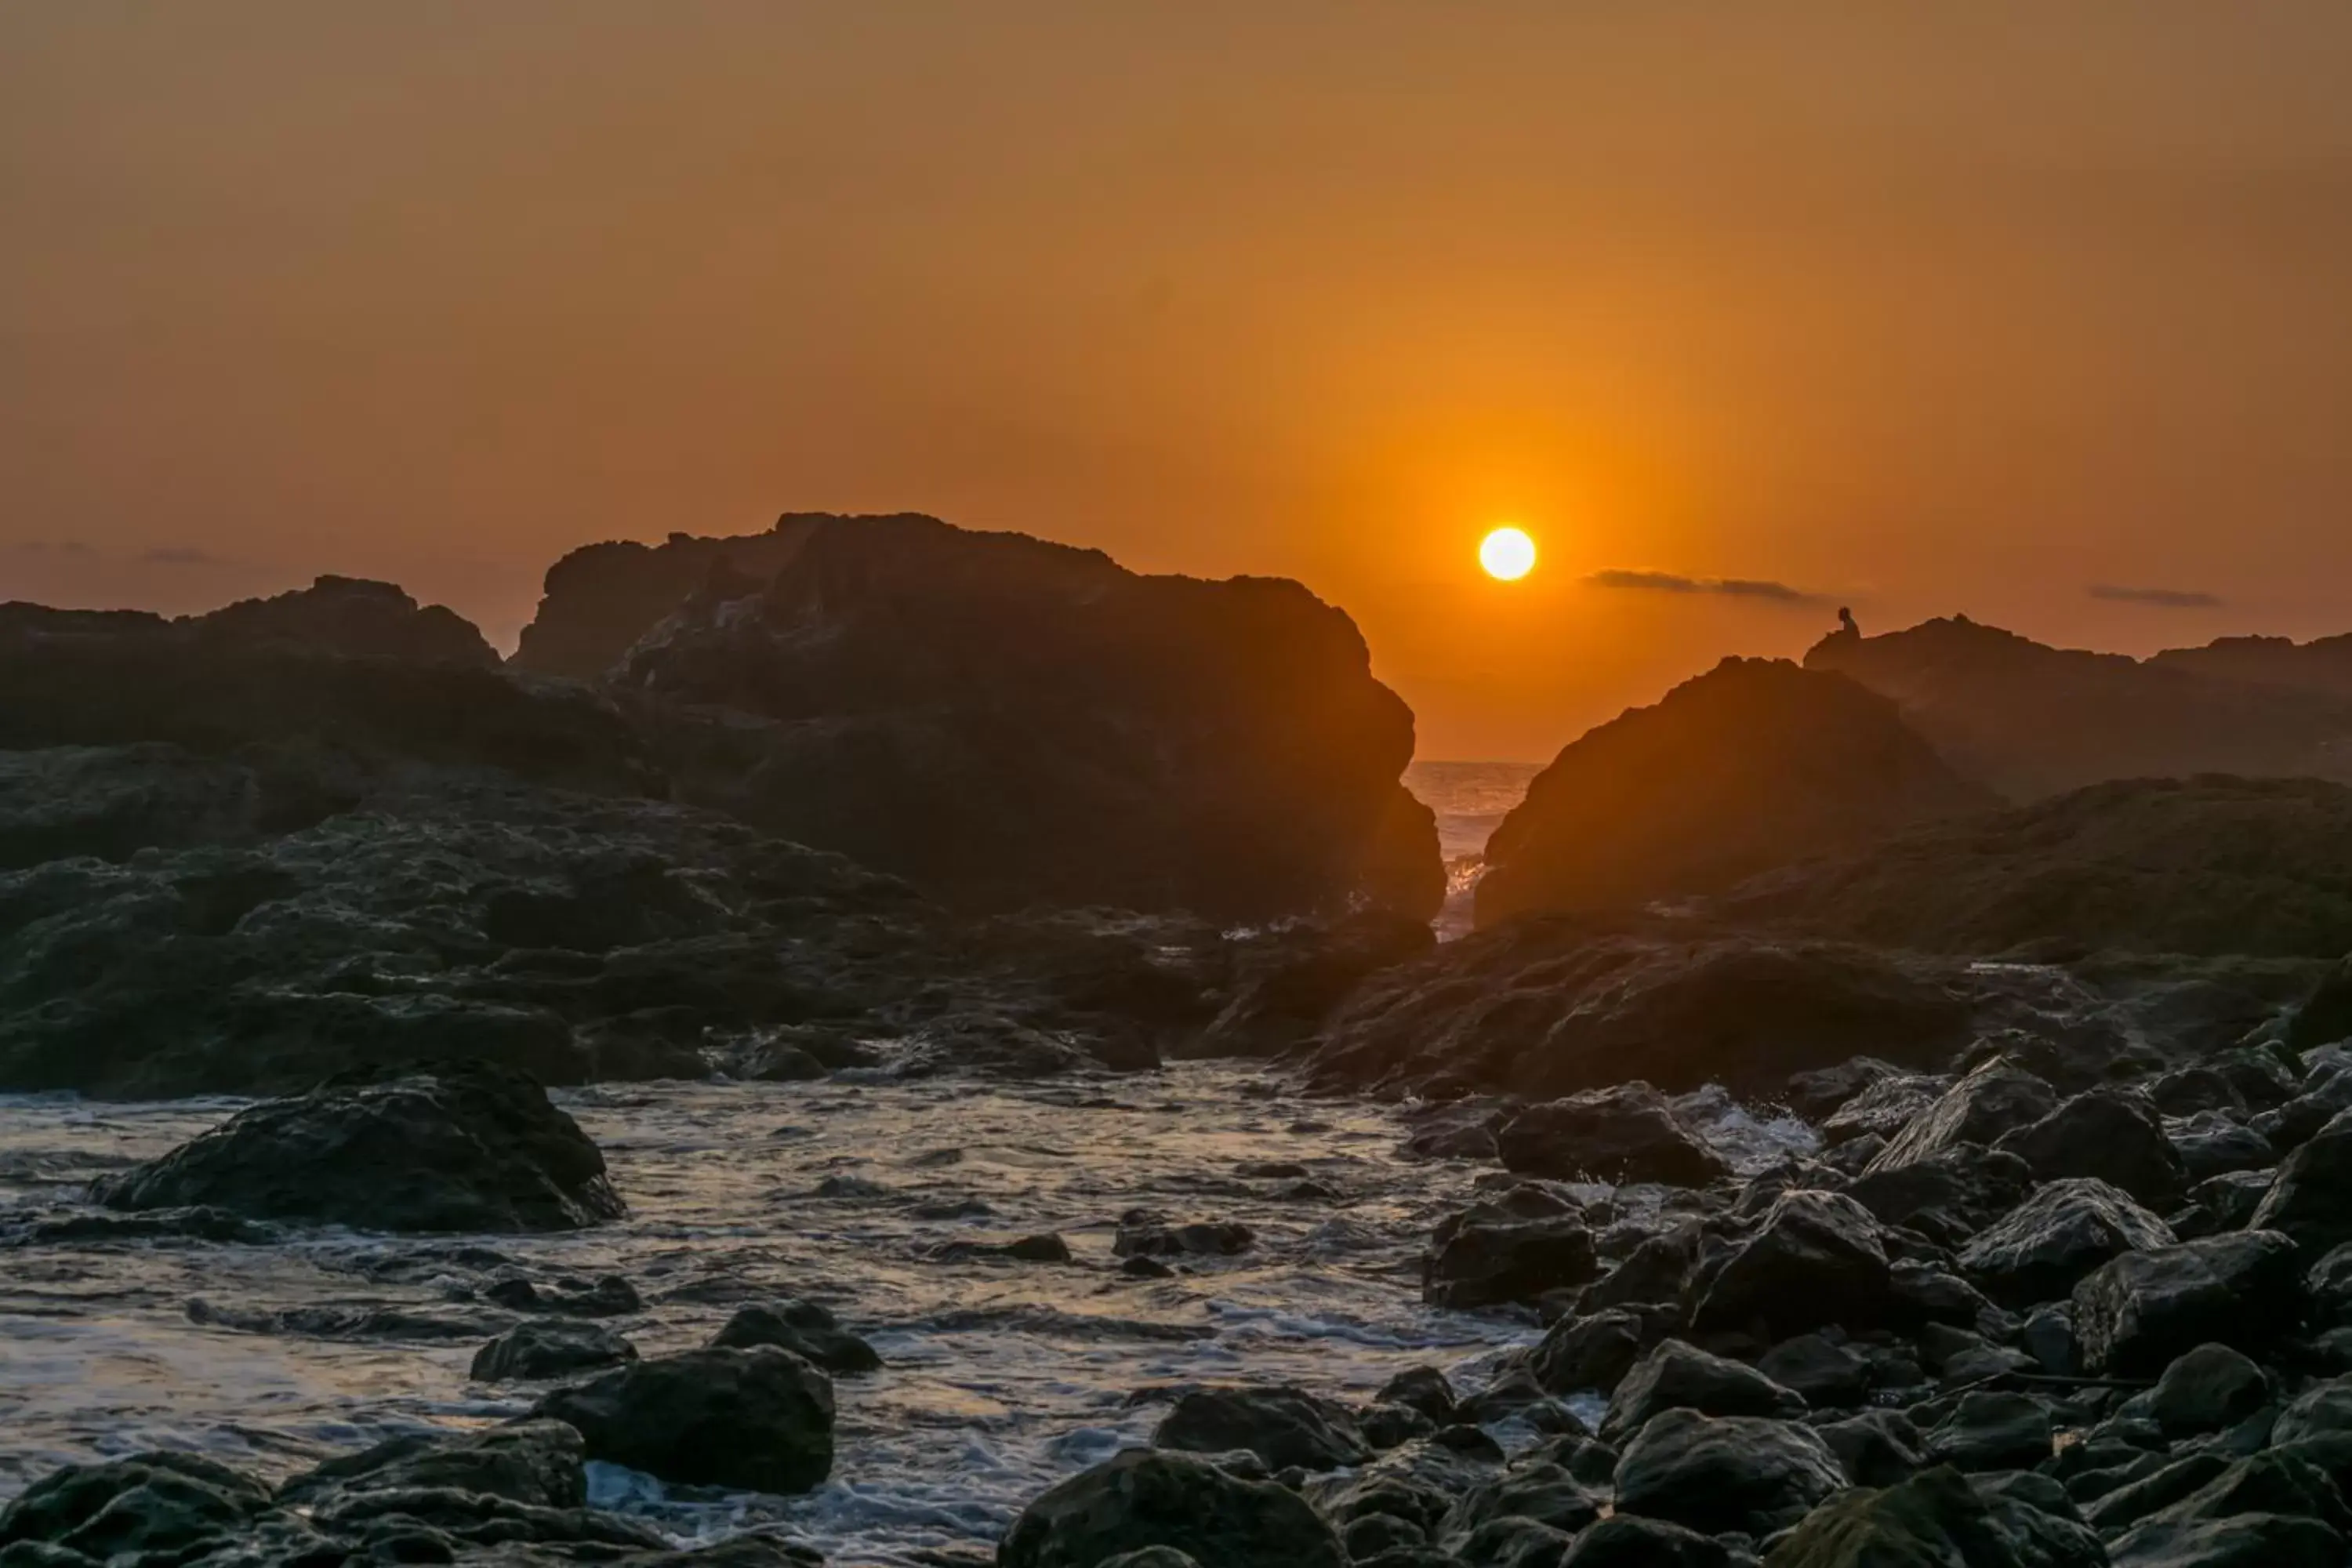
[1507, 554]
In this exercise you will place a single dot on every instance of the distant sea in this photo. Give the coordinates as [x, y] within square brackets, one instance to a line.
[1470, 799]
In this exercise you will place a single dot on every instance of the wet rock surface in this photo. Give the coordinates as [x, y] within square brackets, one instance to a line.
[458, 1147]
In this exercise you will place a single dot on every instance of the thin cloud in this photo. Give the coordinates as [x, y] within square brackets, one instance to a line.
[2160, 598]
[52, 547]
[1730, 588]
[183, 556]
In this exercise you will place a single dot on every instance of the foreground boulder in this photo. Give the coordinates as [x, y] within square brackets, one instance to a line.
[1628, 1133]
[460, 1147]
[2113, 1136]
[1936, 1517]
[1284, 1427]
[159, 1503]
[1147, 1497]
[759, 1419]
[1752, 765]
[1733, 1472]
[2038, 1250]
[1006, 720]
[1815, 1260]
[2312, 1198]
[2135, 1315]
[1678, 1376]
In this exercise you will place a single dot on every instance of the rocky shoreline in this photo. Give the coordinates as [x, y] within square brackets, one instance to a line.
[2050, 1265]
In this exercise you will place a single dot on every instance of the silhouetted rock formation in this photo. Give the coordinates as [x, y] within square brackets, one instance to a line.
[2202, 866]
[339, 680]
[2323, 665]
[1754, 764]
[1007, 720]
[2030, 720]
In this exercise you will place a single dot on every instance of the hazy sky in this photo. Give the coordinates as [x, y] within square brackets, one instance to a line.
[1923, 308]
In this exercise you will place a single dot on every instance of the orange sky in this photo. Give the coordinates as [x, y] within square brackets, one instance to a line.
[1930, 308]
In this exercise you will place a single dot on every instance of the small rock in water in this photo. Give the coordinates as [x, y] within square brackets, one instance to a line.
[610, 1296]
[759, 1419]
[548, 1349]
[1144, 1234]
[804, 1327]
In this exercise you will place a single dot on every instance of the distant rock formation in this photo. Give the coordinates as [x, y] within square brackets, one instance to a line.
[352, 676]
[1006, 721]
[2204, 866]
[2323, 665]
[2030, 720]
[1754, 764]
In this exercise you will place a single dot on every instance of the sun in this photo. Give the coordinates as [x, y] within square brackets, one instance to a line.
[1507, 554]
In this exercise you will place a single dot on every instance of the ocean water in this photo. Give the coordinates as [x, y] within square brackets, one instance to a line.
[1470, 800]
[1001, 1379]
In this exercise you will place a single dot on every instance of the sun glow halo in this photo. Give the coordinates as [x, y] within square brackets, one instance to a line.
[1507, 554]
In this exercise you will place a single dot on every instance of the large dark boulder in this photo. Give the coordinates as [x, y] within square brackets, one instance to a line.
[1753, 765]
[457, 1147]
[1679, 1376]
[1627, 1133]
[2038, 1250]
[1006, 721]
[1484, 1257]
[1283, 1427]
[2113, 1134]
[1735, 1472]
[1552, 1005]
[2312, 1198]
[2137, 1313]
[1814, 1258]
[1148, 1498]
[759, 1419]
[1993, 1101]
[165, 1503]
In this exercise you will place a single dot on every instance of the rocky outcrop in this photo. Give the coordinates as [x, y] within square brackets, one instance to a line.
[2197, 865]
[1552, 1005]
[2030, 720]
[1006, 721]
[455, 1147]
[759, 1419]
[317, 691]
[574, 937]
[2322, 665]
[1753, 765]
